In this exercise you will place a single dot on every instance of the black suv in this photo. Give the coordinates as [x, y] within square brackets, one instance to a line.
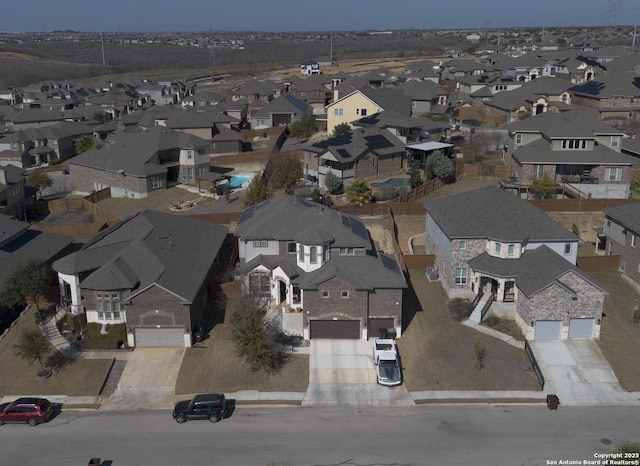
[207, 406]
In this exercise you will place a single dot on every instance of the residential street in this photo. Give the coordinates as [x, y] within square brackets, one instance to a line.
[478, 435]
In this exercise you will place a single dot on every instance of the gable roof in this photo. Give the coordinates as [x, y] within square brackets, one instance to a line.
[350, 146]
[132, 151]
[491, 213]
[149, 248]
[290, 218]
[628, 215]
[534, 271]
[571, 124]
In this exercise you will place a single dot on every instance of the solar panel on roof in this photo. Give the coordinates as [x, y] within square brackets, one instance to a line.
[359, 229]
[345, 221]
[246, 214]
[303, 202]
[390, 263]
[344, 153]
[377, 142]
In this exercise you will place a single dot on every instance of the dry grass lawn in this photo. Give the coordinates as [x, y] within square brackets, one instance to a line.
[79, 377]
[213, 366]
[439, 353]
[620, 336]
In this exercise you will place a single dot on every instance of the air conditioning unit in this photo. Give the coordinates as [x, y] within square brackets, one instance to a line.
[432, 274]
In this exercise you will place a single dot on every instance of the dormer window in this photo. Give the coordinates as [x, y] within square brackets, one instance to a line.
[313, 254]
[292, 247]
[511, 250]
[573, 144]
[497, 247]
[615, 141]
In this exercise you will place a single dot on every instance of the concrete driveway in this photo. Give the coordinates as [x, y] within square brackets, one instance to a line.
[578, 373]
[148, 380]
[341, 372]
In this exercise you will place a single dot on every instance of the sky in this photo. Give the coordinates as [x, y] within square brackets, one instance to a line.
[307, 15]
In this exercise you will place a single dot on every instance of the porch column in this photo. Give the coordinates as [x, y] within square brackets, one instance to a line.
[76, 298]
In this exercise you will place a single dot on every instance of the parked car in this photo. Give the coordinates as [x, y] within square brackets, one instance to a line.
[457, 140]
[385, 357]
[211, 406]
[33, 411]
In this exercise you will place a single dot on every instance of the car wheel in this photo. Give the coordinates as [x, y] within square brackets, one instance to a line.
[32, 422]
[181, 419]
[214, 417]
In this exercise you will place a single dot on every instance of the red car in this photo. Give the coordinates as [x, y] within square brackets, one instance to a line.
[33, 411]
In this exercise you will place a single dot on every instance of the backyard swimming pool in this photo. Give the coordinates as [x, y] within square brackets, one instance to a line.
[235, 182]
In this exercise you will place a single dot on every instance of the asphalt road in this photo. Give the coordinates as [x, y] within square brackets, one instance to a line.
[423, 435]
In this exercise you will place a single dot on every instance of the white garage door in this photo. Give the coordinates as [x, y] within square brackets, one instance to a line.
[581, 328]
[165, 337]
[548, 329]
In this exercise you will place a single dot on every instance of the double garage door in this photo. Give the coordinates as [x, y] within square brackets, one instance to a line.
[347, 329]
[552, 329]
[159, 337]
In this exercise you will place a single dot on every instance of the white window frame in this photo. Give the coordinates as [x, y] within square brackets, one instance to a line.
[461, 275]
[156, 182]
[518, 139]
[633, 240]
[344, 294]
[538, 171]
[497, 248]
[615, 141]
[511, 249]
[325, 294]
[338, 112]
[615, 171]
[462, 244]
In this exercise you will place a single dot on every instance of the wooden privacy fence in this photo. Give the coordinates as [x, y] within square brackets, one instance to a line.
[598, 263]
[86, 203]
[578, 205]
[221, 218]
[419, 261]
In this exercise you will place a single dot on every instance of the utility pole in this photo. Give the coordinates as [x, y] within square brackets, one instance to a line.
[635, 27]
[102, 45]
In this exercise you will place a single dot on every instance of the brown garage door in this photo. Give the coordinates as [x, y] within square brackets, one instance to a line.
[164, 337]
[378, 327]
[347, 329]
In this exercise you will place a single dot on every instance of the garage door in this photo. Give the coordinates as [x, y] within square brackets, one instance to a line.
[165, 337]
[581, 328]
[347, 329]
[548, 329]
[378, 327]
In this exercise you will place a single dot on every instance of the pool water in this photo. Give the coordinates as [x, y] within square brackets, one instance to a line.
[392, 183]
[236, 181]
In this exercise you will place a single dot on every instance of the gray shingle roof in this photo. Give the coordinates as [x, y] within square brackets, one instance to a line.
[290, 218]
[540, 152]
[627, 215]
[571, 124]
[149, 248]
[350, 146]
[132, 151]
[492, 213]
[534, 271]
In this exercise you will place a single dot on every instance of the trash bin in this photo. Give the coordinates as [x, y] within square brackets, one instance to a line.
[552, 401]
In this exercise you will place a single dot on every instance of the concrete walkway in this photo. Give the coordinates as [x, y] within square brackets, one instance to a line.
[577, 372]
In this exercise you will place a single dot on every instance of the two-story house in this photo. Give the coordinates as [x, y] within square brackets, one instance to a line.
[12, 182]
[317, 270]
[577, 151]
[151, 271]
[508, 256]
[359, 153]
[134, 163]
[622, 230]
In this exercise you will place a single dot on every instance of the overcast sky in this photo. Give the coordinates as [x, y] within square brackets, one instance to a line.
[306, 15]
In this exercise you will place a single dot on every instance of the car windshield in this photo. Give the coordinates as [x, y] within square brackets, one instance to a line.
[388, 364]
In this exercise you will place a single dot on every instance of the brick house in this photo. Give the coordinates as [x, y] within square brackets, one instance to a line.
[622, 230]
[360, 153]
[574, 149]
[317, 270]
[151, 271]
[510, 258]
[137, 162]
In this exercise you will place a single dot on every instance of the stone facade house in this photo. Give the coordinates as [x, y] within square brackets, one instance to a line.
[317, 270]
[151, 271]
[510, 258]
